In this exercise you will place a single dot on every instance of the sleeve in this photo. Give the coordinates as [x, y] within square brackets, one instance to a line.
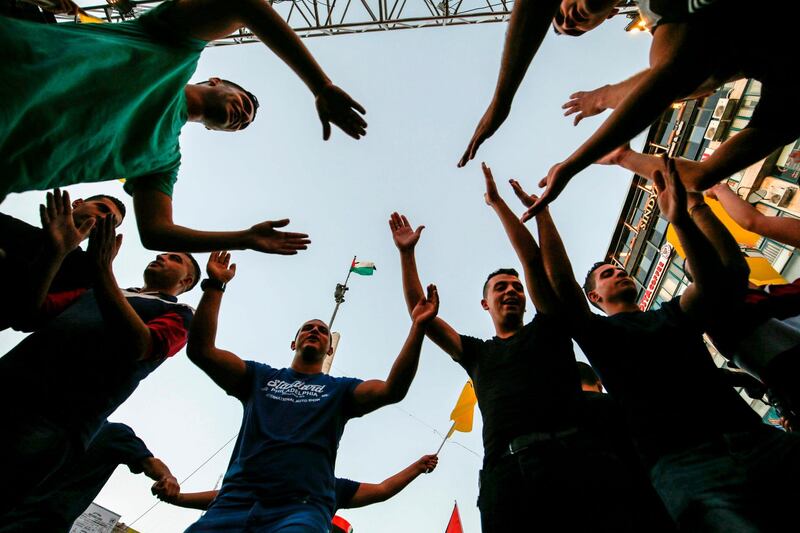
[126, 446]
[156, 22]
[169, 332]
[345, 490]
[162, 182]
[57, 302]
[471, 347]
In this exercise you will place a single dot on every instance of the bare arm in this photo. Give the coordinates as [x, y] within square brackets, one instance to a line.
[215, 19]
[530, 21]
[591, 103]
[781, 229]
[542, 295]
[195, 500]
[369, 493]
[225, 368]
[405, 238]
[166, 487]
[374, 394]
[158, 232]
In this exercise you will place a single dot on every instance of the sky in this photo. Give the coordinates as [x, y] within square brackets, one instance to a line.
[424, 91]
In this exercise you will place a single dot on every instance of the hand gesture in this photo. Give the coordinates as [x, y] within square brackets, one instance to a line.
[335, 105]
[526, 199]
[491, 120]
[58, 224]
[166, 489]
[671, 193]
[491, 196]
[427, 463]
[264, 238]
[218, 267]
[427, 308]
[404, 237]
[104, 243]
[585, 103]
[555, 181]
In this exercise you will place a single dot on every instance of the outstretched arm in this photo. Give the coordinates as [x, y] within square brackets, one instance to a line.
[225, 368]
[215, 19]
[530, 20]
[158, 232]
[374, 394]
[193, 500]
[166, 487]
[369, 493]
[525, 247]
[781, 229]
[406, 238]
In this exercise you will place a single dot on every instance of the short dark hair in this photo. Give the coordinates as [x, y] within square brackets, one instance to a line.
[498, 272]
[250, 95]
[116, 201]
[587, 373]
[589, 283]
[197, 272]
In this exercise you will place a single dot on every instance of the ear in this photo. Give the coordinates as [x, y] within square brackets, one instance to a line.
[593, 297]
[77, 202]
[293, 346]
[485, 304]
[214, 81]
[187, 282]
[330, 350]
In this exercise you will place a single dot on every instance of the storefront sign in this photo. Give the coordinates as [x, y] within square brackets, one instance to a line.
[655, 278]
[649, 207]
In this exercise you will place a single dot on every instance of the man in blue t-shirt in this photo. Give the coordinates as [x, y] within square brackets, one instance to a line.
[281, 472]
[59, 501]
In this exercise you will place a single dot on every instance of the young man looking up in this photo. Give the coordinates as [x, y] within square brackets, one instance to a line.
[529, 394]
[280, 477]
[714, 473]
[134, 103]
[59, 384]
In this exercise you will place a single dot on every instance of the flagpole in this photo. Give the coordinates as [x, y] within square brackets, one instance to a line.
[338, 294]
[453, 427]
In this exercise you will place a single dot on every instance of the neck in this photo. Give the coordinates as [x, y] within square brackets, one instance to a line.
[173, 291]
[508, 328]
[195, 104]
[299, 364]
[612, 308]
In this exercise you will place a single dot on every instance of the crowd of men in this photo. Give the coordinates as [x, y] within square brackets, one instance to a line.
[556, 447]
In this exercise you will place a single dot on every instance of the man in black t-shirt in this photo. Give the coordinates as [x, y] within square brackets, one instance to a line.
[722, 472]
[58, 502]
[529, 394]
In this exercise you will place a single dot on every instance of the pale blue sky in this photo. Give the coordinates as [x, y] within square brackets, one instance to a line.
[424, 91]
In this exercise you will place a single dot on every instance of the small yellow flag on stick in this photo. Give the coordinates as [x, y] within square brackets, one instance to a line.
[86, 18]
[463, 413]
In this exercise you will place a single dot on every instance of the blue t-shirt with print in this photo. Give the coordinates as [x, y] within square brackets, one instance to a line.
[286, 449]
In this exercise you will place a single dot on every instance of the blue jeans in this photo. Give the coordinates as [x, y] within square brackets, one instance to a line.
[292, 518]
[741, 482]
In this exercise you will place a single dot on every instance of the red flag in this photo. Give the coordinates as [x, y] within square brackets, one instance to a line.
[340, 525]
[454, 525]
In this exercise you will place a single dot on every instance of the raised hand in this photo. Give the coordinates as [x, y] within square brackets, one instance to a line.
[427, 463]
[58, 224]
[166, 489]
[219, 267]
[405, 238]
[491, 195]
[491, 120]
[265, 238]
[526, 199]
[427, 308]
[555, 181]
[585, 104]
[104, 243]
[335, 105]
[671, 193]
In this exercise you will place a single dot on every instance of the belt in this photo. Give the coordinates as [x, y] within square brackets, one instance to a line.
[523, 442]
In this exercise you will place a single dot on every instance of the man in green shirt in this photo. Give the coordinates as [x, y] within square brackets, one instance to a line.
[69, 114]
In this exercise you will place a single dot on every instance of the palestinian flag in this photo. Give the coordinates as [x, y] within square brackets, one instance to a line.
[340, 525]
[364, 268]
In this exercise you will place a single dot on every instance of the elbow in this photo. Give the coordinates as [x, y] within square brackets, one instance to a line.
[155, 237]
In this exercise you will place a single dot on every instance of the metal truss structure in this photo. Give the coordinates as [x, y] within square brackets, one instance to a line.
[319, 18]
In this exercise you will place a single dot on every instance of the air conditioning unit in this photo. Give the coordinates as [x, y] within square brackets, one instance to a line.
[711, 131]
[719, 110]
[780, 195]
[786, 197]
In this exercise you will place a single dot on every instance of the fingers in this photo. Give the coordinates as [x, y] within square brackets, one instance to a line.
[465, 158]
[419, 230]
[405, 221]
[526, 199]
[66, 205]
[279, 223]
[578, 118]
[358, 107]
[658, 181]
[43, 216]
[86, 227]
[326, 129]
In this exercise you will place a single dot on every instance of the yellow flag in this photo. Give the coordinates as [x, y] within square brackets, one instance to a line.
[762, 272]
[86, 18]
[464, 411]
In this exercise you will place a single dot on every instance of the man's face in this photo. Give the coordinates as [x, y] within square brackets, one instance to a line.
[576, 17]
[169, 269]
[228, 108]
[313, 340]
[83, 210]
[505, 298]
[612, 284]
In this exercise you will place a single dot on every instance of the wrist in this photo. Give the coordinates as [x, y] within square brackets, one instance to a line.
[321, 83]
[212, 284]
[603, 94]
[694, 207]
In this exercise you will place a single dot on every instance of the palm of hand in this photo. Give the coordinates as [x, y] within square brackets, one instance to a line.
[220, 272]
[63, 233]
[405, 238]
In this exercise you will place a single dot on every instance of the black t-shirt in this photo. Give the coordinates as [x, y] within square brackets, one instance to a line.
[345, 490]
[62, 498]
[23, 244]
[526, 383]
[657, 367]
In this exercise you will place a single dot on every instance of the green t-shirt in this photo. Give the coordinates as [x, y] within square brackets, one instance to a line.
[93, 102]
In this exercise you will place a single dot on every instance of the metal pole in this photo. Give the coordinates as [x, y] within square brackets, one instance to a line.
[338, 294]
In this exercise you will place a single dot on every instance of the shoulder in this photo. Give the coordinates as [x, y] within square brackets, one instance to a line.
[159, 22]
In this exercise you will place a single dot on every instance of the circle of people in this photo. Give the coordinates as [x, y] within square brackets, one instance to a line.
[637, 459]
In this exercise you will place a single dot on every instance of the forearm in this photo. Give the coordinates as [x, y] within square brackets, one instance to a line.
[393, 485]
[31, 295]
[557, 264]
[203, 330]
[530, 21]
[158, 235]
[740, 151]
[412, 286]
[740, 211]
[155, 469]
[196, 500]
[405, 366]
[721, 239]
[704, 262]
[131, 334]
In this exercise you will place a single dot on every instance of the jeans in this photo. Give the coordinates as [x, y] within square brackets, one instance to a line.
[559, 485]
[292, 518]
[741, 482]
